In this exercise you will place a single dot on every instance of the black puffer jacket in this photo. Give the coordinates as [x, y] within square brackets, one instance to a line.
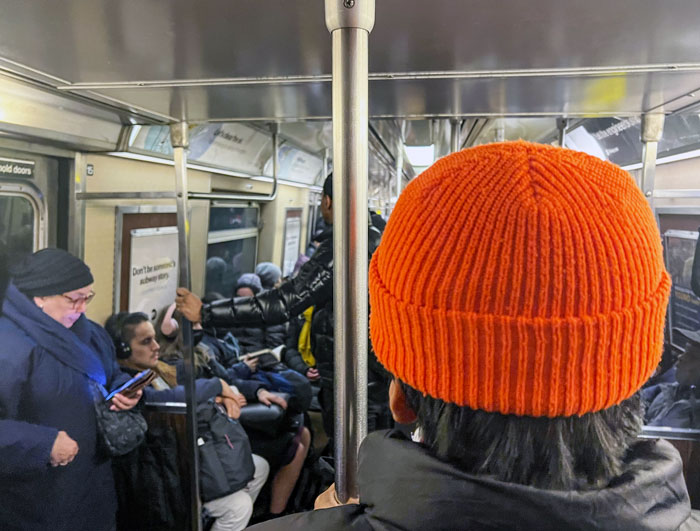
[313, 286]
[403, 487]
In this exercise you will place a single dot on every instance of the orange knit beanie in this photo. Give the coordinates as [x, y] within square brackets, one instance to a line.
[522, 279]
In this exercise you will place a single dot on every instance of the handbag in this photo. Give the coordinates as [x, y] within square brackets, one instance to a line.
[225, 458]
[118, 432]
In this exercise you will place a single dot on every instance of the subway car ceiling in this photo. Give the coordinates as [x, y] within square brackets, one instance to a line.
[103, 76]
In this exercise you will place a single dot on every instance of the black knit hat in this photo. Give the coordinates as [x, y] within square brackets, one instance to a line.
[50, 272]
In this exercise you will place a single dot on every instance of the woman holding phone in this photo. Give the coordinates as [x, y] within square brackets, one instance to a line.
[52, 475]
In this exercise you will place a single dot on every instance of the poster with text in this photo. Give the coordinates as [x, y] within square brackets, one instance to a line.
[292, 240]
[153, 273]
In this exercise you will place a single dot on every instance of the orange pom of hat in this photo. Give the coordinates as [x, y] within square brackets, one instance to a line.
[522, 279]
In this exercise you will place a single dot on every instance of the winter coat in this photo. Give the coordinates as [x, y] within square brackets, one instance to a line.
[44, 389]
[292, 358]
[403, 487]
[674, 405]
[204, 389]
[313, 286]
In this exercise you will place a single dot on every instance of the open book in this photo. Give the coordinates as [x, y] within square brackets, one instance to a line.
[267, 357]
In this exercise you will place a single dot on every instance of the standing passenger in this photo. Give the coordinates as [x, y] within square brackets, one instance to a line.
[51, 473]
[313, 286]
[519, 353]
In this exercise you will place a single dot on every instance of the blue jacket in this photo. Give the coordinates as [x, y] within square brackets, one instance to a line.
[44, 388]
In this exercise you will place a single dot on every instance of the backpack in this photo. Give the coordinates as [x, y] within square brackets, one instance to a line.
[225, 458]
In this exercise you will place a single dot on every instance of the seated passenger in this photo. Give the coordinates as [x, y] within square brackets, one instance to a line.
[675, 404]
[270, 275]
[137, 349]
[257, 337]
[250, 338]
[519, 316]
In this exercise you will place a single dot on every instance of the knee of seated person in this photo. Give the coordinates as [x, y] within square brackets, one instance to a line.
[262, 467]
[241, 506]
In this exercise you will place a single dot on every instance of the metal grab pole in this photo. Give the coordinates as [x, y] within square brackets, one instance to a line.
[179, 140]
[455, 130]
[562, 124]
[350, 22]
[652, 128]
[399, 170]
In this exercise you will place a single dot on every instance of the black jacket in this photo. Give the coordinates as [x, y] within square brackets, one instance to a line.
[402, 487]
[313, 286]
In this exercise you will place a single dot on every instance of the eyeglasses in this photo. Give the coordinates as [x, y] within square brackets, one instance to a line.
[80, 300]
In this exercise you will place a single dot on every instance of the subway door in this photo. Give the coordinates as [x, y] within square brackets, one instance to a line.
[33, 203]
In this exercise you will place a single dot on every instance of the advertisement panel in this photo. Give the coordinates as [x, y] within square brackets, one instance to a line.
[153, 271]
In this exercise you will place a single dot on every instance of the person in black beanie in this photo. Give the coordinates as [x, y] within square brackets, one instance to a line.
[51, 473]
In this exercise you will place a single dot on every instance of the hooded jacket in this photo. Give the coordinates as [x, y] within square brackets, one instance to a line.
[44, 388]
[402, 487]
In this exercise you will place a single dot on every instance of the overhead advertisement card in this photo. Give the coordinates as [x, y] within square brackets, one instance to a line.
[153, 272]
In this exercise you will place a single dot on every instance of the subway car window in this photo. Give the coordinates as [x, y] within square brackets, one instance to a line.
[226, 261]
[17, 226]
[671, 395]
[227, 218]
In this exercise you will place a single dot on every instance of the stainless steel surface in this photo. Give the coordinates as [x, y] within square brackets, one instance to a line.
[649, 170]
[76, 207]
[562, 124]
[428, 58]
[652, 129]
[179, 140]
[398, 174]
[97, 196]
[350, 223]
[31, 113]
[673, 434]
[103, 40]
[612, 94]
[350, 14]
[455, 135]
[670, 193]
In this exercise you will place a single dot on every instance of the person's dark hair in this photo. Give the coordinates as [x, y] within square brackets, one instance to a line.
[328, 186]
[562, 453]
[120, 327]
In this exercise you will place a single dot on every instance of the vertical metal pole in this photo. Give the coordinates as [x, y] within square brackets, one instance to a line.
[562, 124]
[652, 128]
[275, 128]
[76, 208]
[180, 141]
[399, 170]
[455, 131]
[350, 22]
[324, 171]
[500, 133]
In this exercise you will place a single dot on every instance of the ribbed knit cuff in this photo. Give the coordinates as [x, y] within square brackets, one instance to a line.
[540, 367]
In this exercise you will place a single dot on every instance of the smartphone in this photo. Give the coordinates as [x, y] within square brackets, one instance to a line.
[139, 381]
